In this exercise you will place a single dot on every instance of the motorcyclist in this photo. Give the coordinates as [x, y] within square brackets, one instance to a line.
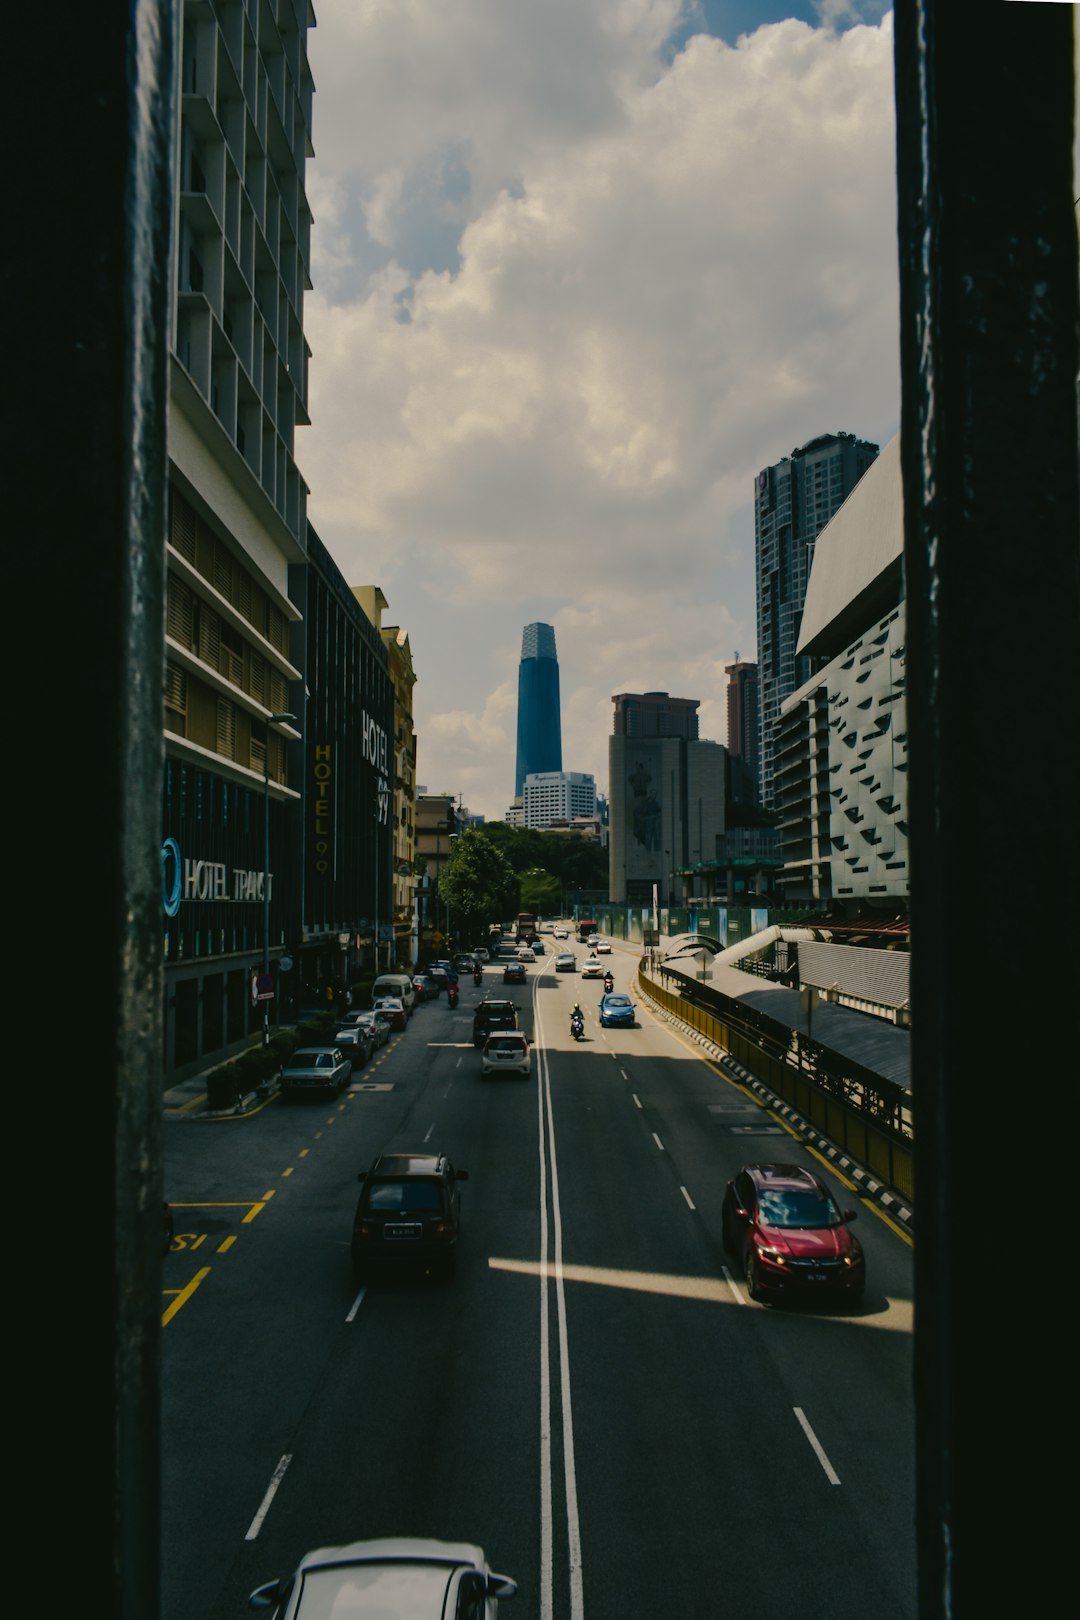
[609, 982]
[577, 1017]
[478, 974]
[452, 992]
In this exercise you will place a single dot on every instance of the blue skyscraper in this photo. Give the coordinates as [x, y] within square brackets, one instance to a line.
[539, 727]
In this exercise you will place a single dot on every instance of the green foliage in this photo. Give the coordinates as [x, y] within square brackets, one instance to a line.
[541, 892]
[574, 863]
[478, 884]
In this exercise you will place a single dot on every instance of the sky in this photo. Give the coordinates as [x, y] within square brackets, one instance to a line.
[581, 269]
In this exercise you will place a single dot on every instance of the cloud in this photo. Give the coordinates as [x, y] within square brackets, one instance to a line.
[645, 280]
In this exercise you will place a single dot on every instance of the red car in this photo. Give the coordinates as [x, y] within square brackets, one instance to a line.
[790, 1235]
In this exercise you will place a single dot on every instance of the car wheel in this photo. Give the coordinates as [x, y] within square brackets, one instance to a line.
[753, 1287]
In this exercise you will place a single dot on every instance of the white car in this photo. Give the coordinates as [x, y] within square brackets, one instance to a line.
[593, 941]
[399, 1575]
[603, 948]
[506, 1052]
[565, 962]
[560, 933]
[591, 969]
[525, 953]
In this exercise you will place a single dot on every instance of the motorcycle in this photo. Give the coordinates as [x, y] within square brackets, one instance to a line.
[577, 1026]
[452, 993]
[609, 984]
[478, 976]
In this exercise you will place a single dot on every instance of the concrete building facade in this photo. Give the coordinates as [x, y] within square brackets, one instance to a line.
[666, 812]
[841, 762]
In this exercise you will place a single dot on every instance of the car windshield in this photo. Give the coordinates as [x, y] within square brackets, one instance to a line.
[375, 1588]
[617, 1001]
[791, 1208]
[398, 1195]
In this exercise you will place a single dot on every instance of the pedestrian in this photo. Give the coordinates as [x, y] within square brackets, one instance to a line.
[348, 997]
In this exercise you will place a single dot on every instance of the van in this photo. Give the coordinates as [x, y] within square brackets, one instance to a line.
[395, 984]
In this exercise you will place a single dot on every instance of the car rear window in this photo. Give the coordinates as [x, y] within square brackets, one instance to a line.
[506, 1043]
[397, 1195]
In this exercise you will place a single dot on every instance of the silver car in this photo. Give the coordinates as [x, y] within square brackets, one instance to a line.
[397, 1578]
[315, 1071]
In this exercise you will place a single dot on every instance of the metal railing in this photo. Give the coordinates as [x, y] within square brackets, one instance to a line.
[869, 1117]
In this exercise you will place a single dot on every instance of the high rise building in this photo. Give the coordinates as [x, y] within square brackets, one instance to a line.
[667, 796]
[793, 501]
[743, 721]
[655, 714]
[558, 796]
[539, 727]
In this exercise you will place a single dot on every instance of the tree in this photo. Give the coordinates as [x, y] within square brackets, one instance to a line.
[541, 893]
[478, 885]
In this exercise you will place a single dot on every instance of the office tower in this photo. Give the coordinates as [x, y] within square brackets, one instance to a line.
[793, 501]
[655, 714]
[539, 727]
[667, 796]
[552, 796]
[743, 738]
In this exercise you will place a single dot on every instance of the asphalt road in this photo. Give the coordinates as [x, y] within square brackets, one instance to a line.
[592, 1398]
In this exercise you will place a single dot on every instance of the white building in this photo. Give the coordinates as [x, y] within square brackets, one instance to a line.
[562, 796]
[841, 755]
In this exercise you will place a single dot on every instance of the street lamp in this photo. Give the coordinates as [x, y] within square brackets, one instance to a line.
[271, 720]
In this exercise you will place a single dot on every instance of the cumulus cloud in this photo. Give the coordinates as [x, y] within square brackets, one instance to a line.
[577, 291]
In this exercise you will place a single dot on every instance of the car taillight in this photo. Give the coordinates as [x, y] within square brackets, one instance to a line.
[363, 1231]
[442, 1229]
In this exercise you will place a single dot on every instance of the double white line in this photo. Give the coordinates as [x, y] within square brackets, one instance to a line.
[573, 1529]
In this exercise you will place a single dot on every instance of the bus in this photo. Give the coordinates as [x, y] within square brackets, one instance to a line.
[587, 926]
[525, 926]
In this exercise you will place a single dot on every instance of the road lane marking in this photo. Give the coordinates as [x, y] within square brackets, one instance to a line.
[819, 1451]
[264, 1506]
[184, 1295]
[637, 1099]
[356, 1304]
[658, 1142]
[688, 1198]
[733, 1285]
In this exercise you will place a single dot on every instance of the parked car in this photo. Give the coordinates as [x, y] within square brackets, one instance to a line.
[616, 1009]
[395, 984]
[603, 947]
[506, 1053]
[315, 1070]
[514, 972]
[491, 1015]
[357, 1041]
[397, 1576]
[377, 1024]
[393, 1010]
[566, 962]
[789, 1234]
[409, 1213]
[591, 969]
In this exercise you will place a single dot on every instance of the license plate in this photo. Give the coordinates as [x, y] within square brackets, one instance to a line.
[397, 1233]
[816, 1276]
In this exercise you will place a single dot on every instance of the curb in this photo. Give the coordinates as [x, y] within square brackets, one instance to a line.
[889, 1199]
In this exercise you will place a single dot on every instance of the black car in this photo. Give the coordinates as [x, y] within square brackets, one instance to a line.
[491, 1015]
[409, 1214]
[514, 973]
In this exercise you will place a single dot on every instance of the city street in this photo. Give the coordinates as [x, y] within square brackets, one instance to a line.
[593, 1398]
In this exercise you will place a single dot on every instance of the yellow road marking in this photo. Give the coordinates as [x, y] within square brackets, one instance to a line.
[184, 1295]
